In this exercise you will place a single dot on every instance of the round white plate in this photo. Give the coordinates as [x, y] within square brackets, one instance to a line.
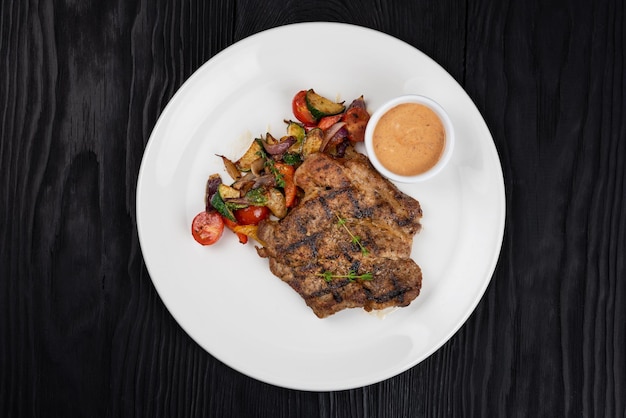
[225, 297]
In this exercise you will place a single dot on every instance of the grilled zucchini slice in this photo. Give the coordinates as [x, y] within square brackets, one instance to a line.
[296, 130]
[320, 106]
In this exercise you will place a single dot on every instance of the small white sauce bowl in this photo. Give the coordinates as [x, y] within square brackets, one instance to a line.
[448, 144]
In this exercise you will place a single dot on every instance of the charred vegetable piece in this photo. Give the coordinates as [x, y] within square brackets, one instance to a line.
[231, 168]
[252, 154]
[276, 203]
[257, 166]
[328, 121]
[248, 230]
[266, 180]
[313, 142]
[296, 130]
[269, 139]
[212, 185]
[356, 118]
[279, 147]
[333, 139]
[320, 106]
[227, 192]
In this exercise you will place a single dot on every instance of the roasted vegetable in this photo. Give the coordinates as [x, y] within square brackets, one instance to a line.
[264, 176]
[218, 203]
[252, 154]
[249, 231]
[313, 142]
[320, 106]
[279, 147]
[227, 192]
[334, 136]
[231, 168]
[276, 203]
[296, 130]
[328, 121]
[356, 118]
[212, 185]
[289, 186]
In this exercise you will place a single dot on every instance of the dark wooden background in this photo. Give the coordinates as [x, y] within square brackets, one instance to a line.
[83, 332]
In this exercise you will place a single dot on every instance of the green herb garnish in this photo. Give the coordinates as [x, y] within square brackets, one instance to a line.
[355, 239]
[269, 163]
[351, 276]
[256, 197]
[292, 158]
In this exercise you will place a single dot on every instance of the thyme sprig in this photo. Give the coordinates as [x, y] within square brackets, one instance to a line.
[269, 163]
[351, 276]
[355, 239]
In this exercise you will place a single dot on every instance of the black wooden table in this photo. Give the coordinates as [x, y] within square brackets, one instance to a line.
[83, 331]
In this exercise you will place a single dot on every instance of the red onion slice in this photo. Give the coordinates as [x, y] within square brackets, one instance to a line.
[280, 147]
[330, 133]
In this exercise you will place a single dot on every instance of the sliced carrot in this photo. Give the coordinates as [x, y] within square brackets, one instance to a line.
[328, 121]
[290, 188]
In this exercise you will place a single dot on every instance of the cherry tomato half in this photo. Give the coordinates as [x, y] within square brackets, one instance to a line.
[251, 215]
[300, 111]
[207, 227]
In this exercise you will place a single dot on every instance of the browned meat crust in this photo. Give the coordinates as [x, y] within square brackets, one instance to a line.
[310, 244]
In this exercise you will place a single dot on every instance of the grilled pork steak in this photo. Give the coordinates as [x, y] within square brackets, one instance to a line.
[348, 242]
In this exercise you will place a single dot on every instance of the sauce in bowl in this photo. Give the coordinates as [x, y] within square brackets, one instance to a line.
[409, 139]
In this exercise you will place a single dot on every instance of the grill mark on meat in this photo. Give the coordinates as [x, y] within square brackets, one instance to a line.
[397, 292]
[333, 289]
[326, 206]
[309, 242]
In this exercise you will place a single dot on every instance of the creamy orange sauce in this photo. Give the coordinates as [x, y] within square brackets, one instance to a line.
[409, 139]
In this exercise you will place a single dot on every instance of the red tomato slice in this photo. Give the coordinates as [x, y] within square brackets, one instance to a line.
[251, 215]
[207, 227]
[300, 111]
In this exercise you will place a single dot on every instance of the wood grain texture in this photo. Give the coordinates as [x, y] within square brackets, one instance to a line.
[82, 329]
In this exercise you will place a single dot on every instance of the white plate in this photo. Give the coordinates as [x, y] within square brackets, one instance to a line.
[225, 297]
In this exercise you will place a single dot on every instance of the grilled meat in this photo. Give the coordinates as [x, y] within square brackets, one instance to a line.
[348, 243]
